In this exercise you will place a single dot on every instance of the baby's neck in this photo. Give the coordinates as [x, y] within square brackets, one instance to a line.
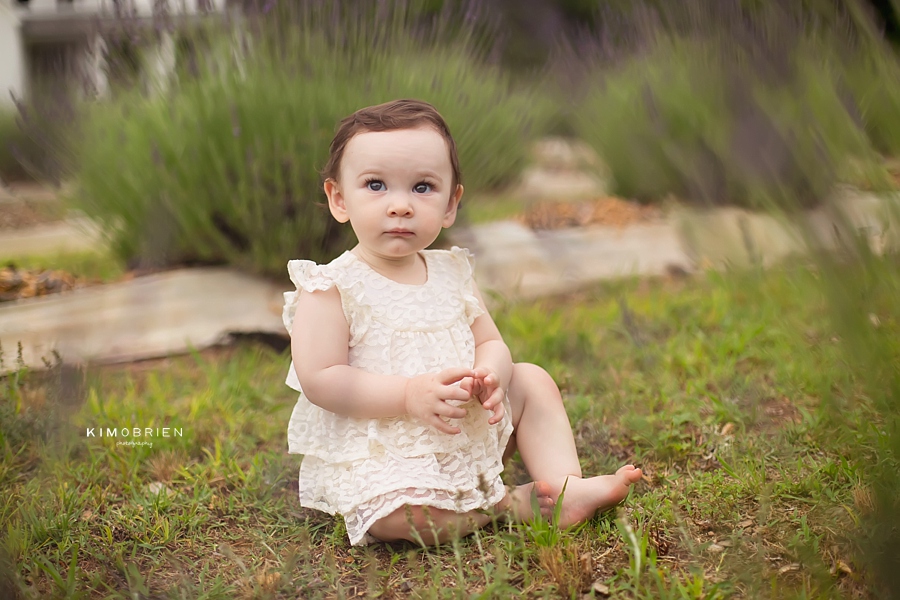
[408, 270]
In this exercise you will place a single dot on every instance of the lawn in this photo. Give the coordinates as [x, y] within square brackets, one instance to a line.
[732, 391]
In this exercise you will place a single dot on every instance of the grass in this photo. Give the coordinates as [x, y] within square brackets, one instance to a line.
[92, 267]
[485, 207]
[729, 390]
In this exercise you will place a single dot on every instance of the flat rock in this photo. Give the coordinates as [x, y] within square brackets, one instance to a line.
[540, 183]
[565, 153]
[734, 237]
[563, 169]
[876, 218]
[156, 315]
[511, 259]
[72, 235]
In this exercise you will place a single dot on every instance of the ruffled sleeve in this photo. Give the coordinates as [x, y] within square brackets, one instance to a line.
[466, 265]
[307, 277]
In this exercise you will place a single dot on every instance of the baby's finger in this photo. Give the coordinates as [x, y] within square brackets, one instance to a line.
[453, 392]
[454, 374]
[468, 384]
[482, 372]
[443, 426]
[499, 411]
[449, 411]
[493, 398]
[495, 404]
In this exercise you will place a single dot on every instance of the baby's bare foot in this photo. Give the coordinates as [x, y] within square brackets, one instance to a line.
[584, 497]
[522, 498]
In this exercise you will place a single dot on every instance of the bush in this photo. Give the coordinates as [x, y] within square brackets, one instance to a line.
[223, 168]
[873, 82]
[718, 112]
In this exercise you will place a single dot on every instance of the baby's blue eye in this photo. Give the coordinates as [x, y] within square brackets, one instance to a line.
[422, 188]
[375, 185]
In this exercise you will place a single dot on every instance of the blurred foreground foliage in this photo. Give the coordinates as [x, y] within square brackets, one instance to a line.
[739, 102]
[862, 284]
[222, 166]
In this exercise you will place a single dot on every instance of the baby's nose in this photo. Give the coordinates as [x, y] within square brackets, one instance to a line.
[400, 205]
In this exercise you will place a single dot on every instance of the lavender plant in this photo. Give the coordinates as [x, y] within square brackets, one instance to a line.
[223, 166]
[737, 102]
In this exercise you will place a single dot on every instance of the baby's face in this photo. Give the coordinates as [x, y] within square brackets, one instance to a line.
[395, 189]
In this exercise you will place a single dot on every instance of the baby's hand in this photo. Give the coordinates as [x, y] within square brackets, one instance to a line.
[489, 393]
[426, 397]
[471, 385]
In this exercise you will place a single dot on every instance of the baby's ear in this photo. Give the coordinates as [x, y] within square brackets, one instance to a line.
[336, 203]
[452, 207]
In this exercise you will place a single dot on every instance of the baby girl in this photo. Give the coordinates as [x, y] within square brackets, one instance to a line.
[410, 402]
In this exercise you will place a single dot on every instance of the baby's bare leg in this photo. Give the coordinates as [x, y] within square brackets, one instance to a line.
[428, 524]
[544, 439]
[542, 432]
[436, 526]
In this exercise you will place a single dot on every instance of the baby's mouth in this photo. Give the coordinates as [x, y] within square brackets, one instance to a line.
[400, 232]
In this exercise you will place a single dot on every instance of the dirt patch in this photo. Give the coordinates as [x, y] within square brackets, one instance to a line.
[609, 211]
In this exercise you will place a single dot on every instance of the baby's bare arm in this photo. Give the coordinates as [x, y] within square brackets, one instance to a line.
[320, 342]
[493, 361]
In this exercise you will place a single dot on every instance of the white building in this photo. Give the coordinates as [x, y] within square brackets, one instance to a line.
[52, 41]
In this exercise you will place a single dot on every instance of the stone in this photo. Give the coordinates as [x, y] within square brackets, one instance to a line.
[147, 317]
[73, 235]
[565, 154]
[540, 183]
[734, 237]
[512, 260]
[850, 213]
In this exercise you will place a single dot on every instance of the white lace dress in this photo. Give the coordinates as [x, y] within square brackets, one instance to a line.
[364, 469]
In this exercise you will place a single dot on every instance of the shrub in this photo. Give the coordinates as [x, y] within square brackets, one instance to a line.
[873, 82]
[716, 111]
[223, 167]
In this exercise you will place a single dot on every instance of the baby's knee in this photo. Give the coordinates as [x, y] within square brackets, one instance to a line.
[531, 381]
[531, 373]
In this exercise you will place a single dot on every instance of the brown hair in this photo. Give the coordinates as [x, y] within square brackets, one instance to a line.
[390, 116]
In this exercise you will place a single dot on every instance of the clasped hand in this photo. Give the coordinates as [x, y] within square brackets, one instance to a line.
[426, 396]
